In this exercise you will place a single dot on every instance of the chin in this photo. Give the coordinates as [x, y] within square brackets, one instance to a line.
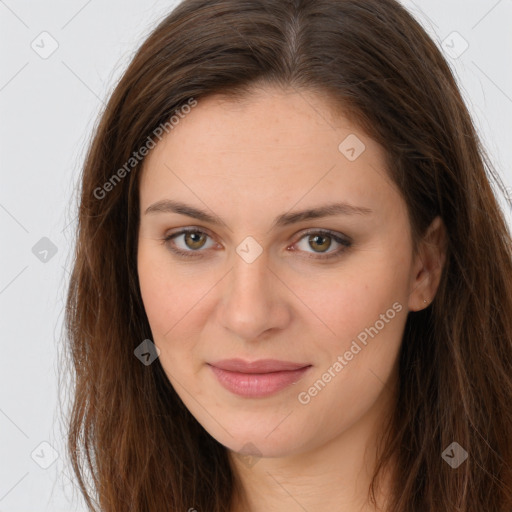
[248, 439]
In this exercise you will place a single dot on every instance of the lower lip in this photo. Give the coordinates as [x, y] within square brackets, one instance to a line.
[257, 385]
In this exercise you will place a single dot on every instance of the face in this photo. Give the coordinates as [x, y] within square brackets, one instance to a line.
[283, 239]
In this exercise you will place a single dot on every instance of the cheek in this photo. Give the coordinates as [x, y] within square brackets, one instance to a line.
[353, 299]
[354, 366]
[164, 292]
[174, 300]
[153, 286]
[163, 304]
[366, 309]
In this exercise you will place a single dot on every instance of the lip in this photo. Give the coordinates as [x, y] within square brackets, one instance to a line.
[259, 366]
[258, 378]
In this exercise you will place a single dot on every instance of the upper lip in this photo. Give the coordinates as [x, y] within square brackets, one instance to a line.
[259, 366]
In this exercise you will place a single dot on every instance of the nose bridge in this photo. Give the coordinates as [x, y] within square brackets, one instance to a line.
[248, 282]
[250, 260]
[250, 304]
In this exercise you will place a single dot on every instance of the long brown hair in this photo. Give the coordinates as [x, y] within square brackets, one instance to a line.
[132, 443]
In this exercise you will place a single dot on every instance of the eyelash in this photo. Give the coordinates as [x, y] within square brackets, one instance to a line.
[322, 232]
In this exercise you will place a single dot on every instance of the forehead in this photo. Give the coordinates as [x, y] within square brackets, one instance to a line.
[273, 145]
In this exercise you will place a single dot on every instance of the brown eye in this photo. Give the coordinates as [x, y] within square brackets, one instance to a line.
[189, 242]
[319, 243]
[195, 239]
[316, 244]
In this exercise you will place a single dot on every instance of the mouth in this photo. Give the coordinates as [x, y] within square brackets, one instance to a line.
[259, 378]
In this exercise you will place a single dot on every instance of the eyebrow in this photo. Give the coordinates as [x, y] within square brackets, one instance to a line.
[286, 219]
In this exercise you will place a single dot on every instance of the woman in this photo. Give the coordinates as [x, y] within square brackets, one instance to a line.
[292, 287]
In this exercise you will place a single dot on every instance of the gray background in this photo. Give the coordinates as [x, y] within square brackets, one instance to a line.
[48, 107]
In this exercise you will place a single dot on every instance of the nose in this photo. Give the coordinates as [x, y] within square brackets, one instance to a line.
[254, 301]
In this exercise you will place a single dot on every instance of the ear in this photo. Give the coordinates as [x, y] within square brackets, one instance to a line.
[427, 266]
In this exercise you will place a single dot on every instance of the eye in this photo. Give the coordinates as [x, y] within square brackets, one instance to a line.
[190, 242]
[187, 242]
[321, 241]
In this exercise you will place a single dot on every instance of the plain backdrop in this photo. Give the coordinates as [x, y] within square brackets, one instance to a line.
[48, 107]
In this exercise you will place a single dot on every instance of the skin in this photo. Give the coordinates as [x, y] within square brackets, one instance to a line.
[248, 162]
